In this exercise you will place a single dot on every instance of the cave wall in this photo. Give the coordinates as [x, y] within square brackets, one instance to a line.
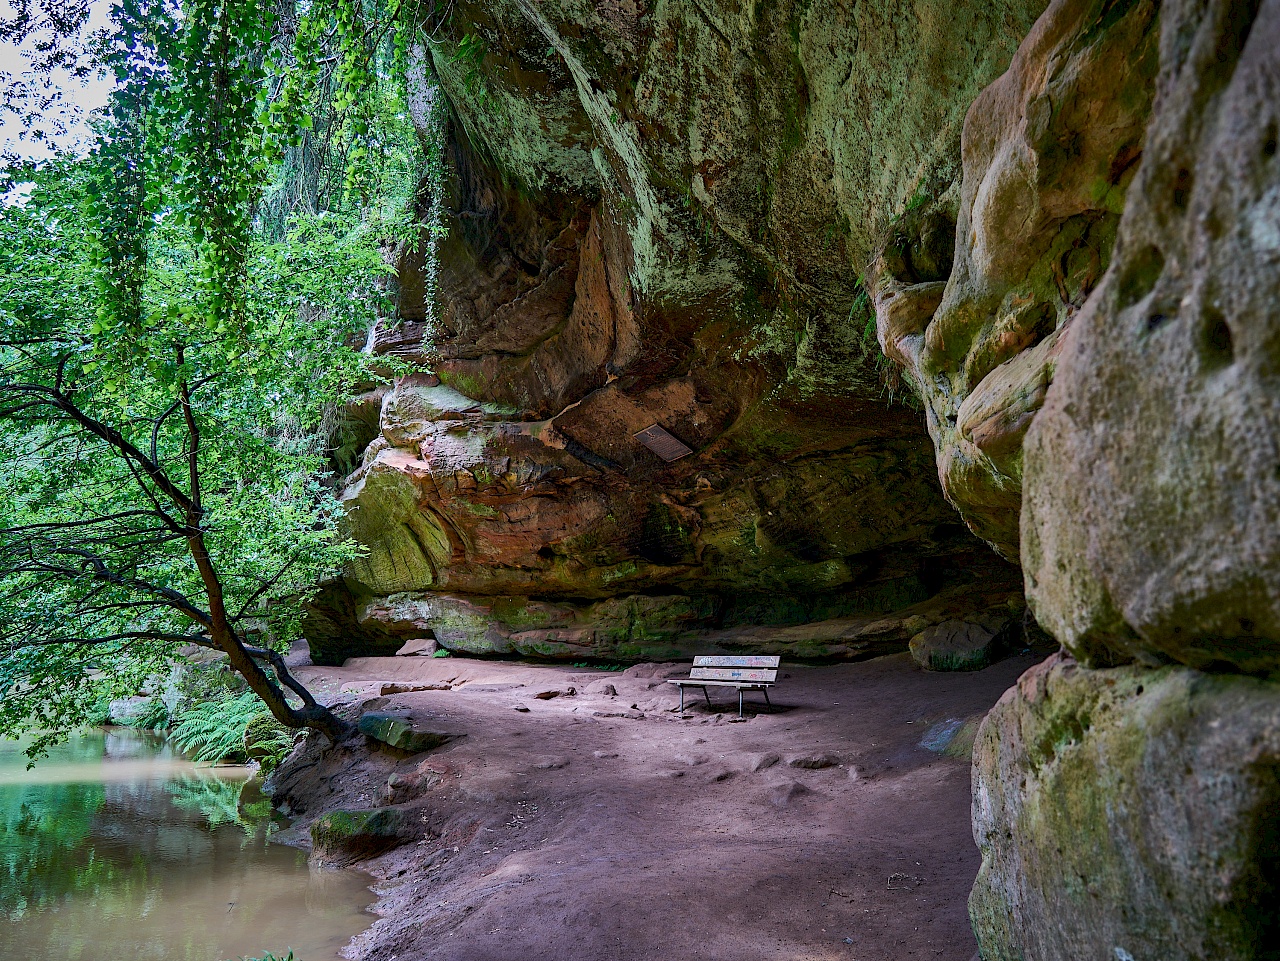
[663, 213]
[1126, 800]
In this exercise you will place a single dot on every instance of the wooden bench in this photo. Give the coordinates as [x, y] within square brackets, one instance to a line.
[751, 672]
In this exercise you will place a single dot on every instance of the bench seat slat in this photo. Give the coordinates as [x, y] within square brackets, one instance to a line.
[737, 660]
[692, 682]
[733, 674]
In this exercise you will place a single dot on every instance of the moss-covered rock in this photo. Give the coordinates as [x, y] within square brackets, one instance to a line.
[1152, 522]
[620, 255]
[342, 836]
[1128, 812]
[1049, 150]
[265, 740]
[957, 646]
[398, 731]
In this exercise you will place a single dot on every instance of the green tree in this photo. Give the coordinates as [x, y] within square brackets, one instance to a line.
[168, 366]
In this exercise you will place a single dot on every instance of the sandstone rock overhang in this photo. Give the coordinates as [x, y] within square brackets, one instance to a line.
[661, 218]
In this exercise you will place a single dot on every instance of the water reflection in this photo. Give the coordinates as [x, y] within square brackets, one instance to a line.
[116, 847]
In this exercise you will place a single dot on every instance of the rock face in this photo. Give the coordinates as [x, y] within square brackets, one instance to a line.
[1160, 438]
[1134, 811]
[658, 215]
[1049, 152]
[1063, 233]
[1128, 813]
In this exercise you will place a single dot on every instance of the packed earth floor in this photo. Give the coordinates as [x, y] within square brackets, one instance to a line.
[576, 814]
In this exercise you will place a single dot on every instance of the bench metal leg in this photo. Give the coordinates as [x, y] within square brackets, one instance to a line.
[707, 696]
[681, 686]
[765, 692]
[739, 702]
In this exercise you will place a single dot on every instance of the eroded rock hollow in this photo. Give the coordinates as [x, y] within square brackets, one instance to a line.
[1150, 535]
[660, 216]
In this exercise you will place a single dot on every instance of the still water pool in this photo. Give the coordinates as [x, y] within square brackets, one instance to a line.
[115, 848]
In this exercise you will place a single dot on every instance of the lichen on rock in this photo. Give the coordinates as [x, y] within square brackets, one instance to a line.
[1049, 152]
[1128, 810]
[1160, 436]
[661, 218]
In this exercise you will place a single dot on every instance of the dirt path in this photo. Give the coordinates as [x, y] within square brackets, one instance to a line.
[605, 827]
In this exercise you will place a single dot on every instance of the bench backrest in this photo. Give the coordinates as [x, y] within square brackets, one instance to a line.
[746, 667]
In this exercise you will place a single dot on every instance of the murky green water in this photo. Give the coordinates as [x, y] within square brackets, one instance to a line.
[115, 848]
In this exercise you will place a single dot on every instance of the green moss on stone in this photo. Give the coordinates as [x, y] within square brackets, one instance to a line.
[346, 834]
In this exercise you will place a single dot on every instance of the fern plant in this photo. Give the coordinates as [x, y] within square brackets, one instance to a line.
[214, 730]
[267, 741]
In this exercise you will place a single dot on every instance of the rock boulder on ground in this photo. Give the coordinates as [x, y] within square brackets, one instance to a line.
[341, 836]
[955, 646]
[1128, 813]
[418, 647]
[399, 732]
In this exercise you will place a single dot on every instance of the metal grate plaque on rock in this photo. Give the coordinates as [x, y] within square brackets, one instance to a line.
[662, 443]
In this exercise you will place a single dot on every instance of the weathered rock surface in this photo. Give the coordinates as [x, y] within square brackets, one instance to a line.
[1131, 812]
[621, 254]
[693, 216]
[1049, 152]
[1152, 521]
[418, 647]
[493, 538]
[643, 626]
[342, 836]
[956, 646]
[399, 732]
[1128, 813]
[131, 710]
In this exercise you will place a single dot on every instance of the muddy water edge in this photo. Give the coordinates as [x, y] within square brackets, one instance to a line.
[114, 846]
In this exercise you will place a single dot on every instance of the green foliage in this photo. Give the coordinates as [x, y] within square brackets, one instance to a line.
[340, 128]
[154, 718]
[69, 504]
[214, 730]
[216, 719]
[267, 741]
[43, 825]
[919, 199]
[470, 54]
[861, 312]
[223, 801]
[181, 314]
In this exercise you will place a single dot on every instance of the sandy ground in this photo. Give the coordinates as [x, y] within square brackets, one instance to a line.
[604, 826]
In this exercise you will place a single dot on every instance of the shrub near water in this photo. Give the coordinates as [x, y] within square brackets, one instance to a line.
[231, 729]
[267, 741]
